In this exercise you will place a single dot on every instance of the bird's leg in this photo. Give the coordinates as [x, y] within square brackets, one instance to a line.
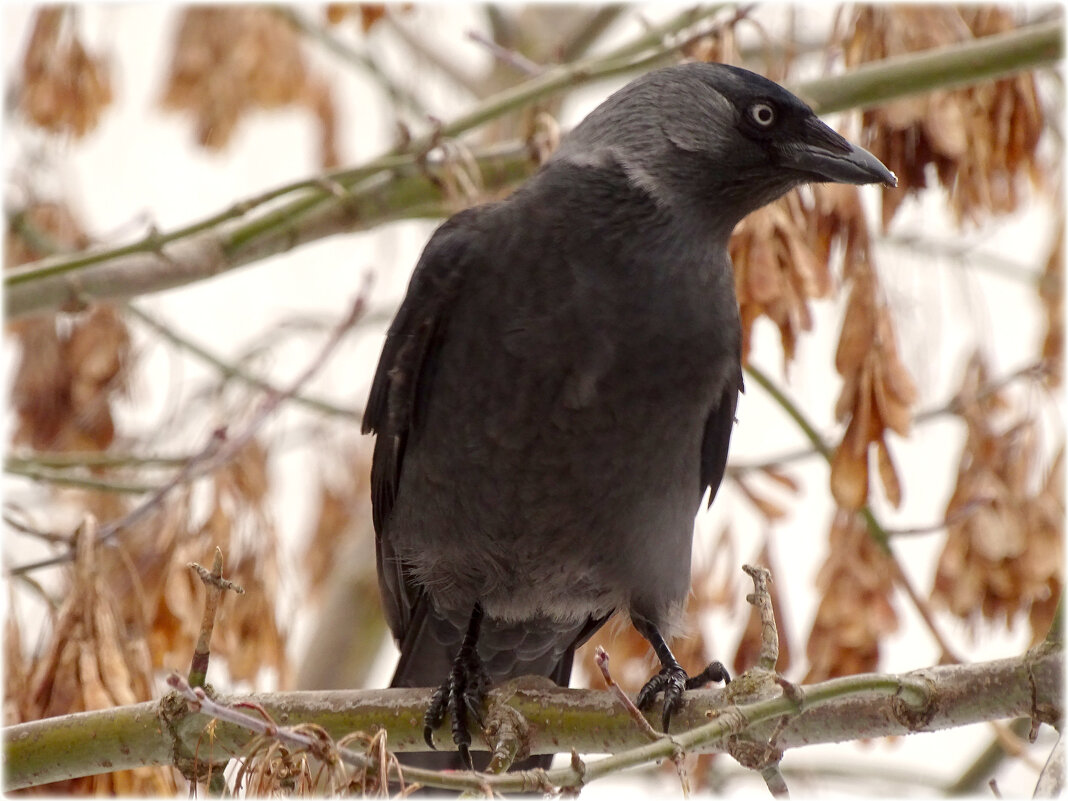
[672, 679]
[462, 692]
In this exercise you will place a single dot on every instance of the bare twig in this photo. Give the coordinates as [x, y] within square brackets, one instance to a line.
[362, 60]
[236, 371]
[958, 516]
[220, 449]
[435, 58]
[761, 599]
[215, 585]
[1033, 372]
[902, 580]
[32, 531]
[601, 658]
[67, 460]
[45, 476]
[512, 58]
[578, 41]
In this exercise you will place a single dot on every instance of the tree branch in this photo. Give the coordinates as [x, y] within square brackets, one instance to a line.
[983, 59]
[395, 186]
[587, 721]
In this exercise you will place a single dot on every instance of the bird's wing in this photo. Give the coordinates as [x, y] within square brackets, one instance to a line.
[400, 390]
[717, 437]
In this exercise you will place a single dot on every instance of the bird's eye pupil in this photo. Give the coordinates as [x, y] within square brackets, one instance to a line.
[762, 114]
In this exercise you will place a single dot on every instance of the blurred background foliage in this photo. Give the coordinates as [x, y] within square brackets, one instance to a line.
[817, 296]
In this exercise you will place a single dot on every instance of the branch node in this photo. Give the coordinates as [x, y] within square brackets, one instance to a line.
[508, 734]
[912, 704]
[792, 692]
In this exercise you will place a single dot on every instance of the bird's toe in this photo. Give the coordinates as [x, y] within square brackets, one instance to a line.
[713, 673]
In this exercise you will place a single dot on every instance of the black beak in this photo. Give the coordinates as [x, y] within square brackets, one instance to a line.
[829, 157]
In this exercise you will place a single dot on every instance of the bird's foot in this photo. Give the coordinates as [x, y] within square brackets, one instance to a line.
[672, 681]
[461, 696]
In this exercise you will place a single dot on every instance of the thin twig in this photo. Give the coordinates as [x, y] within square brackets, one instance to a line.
[27, 529]
[59, 460]
[875, 528]
[513, 58]
[918, 601]
[578, 41]
[958, 516]
[1034, 372]
[421, 49]
[761, 599]
[364, 61]
[228, 369]
[601, 658]
[220, 449]
[77, 482]
[215, 585]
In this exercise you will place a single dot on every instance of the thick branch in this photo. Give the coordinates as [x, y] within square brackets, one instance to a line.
[588, 721]
[943, 68]
[393, 187]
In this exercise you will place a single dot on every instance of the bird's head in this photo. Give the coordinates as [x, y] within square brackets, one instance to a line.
[718, 139]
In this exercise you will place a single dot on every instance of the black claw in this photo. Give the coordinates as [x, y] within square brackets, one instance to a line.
[713, 673]
[648, 693]
[461, 695]
[435, 713]
[672, 681]
[465, 755]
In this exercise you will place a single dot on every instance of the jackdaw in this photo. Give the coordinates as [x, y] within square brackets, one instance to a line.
[557, 391]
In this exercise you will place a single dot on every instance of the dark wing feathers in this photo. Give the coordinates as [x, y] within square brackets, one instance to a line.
[717, 439]
[400, 389]
[401, 383]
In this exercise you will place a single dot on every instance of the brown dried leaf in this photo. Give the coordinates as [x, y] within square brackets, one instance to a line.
[855, 610]
[779, 268]
[981, 140]
[1051, 293]
[781, 478]
[1004, 549]
[93, 660]
[67, 376]
[230, 60]
[857, 337]
[64, 89]
[877, 394]
[849, 470]
[888, 473]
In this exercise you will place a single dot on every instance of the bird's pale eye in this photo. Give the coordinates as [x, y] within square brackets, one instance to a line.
[762, 114]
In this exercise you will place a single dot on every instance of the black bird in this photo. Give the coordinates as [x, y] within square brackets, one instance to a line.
[557, 391]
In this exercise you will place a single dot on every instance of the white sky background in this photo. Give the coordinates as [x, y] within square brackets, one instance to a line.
[142, 165]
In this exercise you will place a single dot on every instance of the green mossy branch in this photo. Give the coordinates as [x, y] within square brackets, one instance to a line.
[559, 720]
